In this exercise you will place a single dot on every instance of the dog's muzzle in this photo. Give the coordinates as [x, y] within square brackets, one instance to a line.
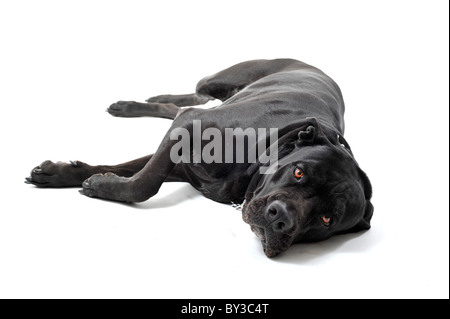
[272, 222]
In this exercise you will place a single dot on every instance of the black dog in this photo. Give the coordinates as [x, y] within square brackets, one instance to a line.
[317, 188]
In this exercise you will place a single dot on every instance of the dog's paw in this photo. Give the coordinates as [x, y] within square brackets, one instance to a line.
[125, 109]
[59, 174]
[106, 186]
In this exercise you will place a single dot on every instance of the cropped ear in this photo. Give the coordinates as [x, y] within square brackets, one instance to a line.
[305, 132]
[307, 137]
[311, 134]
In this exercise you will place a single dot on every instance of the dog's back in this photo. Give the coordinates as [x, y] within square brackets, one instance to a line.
[296, 91]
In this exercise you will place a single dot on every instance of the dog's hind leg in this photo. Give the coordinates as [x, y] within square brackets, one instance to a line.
[221, 85]
[163, 106]
[181, 100]
[137, 109]
[228, 82]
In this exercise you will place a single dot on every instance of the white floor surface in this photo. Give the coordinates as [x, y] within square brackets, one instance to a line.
[63, 64]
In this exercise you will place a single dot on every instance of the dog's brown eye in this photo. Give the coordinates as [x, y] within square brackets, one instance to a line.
[298, 173]
[326, 220]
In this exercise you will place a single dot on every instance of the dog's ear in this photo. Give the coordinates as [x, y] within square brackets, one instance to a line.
[309, 135]
[302, 133]
[312, 133]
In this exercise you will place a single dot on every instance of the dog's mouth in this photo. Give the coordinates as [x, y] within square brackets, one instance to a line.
[271, 246]
[273, 243]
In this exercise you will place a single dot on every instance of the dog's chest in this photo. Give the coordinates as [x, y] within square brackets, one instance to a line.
[218, 182]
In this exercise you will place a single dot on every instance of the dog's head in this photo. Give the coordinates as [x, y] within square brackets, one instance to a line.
[317, 191]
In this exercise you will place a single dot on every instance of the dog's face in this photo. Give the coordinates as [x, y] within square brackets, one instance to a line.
[318, 190]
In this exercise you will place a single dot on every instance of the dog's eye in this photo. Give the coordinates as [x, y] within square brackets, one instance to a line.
[326, 220]
[298, 173]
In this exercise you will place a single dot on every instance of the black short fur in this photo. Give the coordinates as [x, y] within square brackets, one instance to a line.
[332, 196]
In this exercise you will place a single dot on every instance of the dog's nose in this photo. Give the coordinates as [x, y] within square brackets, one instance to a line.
[278, 216]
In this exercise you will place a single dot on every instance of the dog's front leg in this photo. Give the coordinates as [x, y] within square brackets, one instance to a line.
[143, 184]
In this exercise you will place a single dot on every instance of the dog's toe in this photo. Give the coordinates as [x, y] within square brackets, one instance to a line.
[106, 186]
[86, 184]
[36, 182]
[114, 110]
[86, 190]
[39, 176]
[90, 186]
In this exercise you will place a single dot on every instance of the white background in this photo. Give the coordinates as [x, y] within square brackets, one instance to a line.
[62, 63]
